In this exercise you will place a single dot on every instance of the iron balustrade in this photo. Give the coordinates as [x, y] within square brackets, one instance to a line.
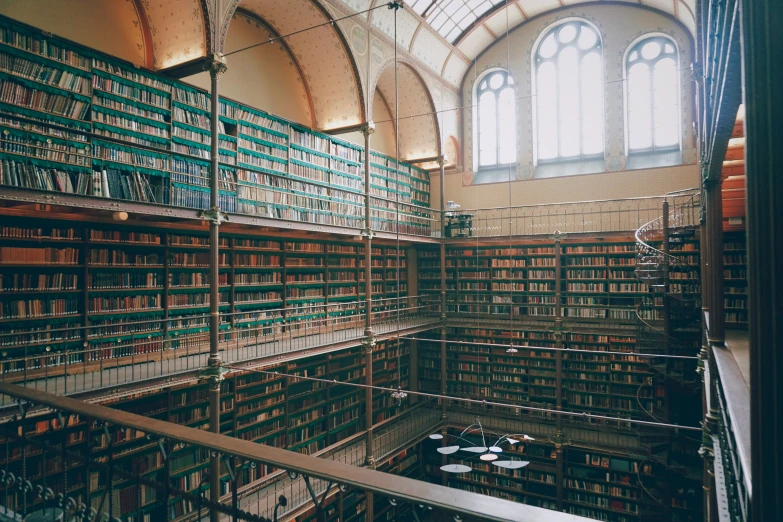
[579, 217]
[731, 435]
[52, 436]
[84, 358]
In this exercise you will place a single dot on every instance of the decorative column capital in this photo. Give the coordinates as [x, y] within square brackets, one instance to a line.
[213, 375]
[367, 129]
[216, 65]
[213, 215]
[442, 159]
[368, 343]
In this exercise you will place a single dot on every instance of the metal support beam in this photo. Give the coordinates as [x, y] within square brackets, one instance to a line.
[442, 165]
[368, 342]
[762, 42]
[214, 373]
[714, 226]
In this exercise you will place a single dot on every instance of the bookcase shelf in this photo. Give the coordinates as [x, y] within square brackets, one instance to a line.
[270, 167]
[735, 280]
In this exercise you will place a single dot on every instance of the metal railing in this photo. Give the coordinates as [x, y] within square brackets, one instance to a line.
[728, 401]
[612, 215]
[77, 359]
[68, 455]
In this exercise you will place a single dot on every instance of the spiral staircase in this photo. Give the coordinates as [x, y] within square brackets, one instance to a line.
[669, 324]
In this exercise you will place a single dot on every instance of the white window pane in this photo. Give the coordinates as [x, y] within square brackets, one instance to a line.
[567, 67]
[451, 7]
[567, 33]
[453, 34]
[651, 50]
[639, 107]
[592, 105]
[507, 127]
[432, 14]
[665, 103]
[587, 38]
[439, 21]
[496, 80]
[548, 47]
[546, 117]
[487, 130]
[461, 13]
[448, 26]
[419, 5]
[469, 19]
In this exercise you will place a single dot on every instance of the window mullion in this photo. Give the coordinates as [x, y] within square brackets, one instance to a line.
[579, 100]
[497, 127]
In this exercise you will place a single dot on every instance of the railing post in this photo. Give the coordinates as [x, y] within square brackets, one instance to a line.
[714, 205]
[368, 341]
[213, 374]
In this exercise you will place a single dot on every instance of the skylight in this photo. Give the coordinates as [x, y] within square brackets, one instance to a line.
[451, 17]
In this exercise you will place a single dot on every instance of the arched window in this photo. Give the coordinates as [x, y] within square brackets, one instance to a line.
[569, 93]
[653, 94]
[497, 138]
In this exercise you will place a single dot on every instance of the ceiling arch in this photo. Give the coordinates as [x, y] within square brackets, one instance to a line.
[178, 29]
[419, 132]
[322, 53]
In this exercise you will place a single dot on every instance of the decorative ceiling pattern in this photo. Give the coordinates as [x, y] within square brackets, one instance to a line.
[418, 129]
[177, 31]
[407, 24]
[322, 55]
[430, 48]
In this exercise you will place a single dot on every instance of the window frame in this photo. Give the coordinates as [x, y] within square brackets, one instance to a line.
[536, 62]
[637, 45]
[508, 83]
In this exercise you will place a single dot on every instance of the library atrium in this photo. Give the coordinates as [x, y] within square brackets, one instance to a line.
[371, 260]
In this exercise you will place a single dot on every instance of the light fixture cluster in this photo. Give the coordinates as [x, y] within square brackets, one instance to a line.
[492, 453]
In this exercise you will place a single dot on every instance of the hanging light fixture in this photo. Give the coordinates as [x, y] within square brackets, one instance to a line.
[493, 453]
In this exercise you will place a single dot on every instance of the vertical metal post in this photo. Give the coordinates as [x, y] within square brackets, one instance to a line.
[762, 47]
[213, 373]
[368, 341]
[443, 355]
[714, 202]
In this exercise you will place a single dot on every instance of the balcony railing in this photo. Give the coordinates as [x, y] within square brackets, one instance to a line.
[61, 437]
[611, 215]
[729, 399]
[73, 360]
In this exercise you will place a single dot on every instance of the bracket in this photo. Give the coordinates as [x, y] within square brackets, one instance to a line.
[394, 5]
[319, 504]
[213, 215]
[368, 343]
[368, 233]
[213, 374]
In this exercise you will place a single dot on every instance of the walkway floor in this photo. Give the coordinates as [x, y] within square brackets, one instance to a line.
[738, 343]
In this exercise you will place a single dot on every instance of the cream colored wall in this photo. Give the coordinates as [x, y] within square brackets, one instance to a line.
[588, 187]
[264, 77]
[110, 26]
[383, 138]
[619, 26]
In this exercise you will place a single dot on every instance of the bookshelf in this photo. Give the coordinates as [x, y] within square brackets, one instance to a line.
[735, 279]
[613, 384]
[269, 409]
[121, 132]
[597, 483]
[597, 278]
[144, 289]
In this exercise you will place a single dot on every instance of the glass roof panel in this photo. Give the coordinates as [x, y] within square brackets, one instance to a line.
[451, 17]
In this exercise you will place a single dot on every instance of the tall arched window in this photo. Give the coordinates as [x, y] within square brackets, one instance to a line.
[569, 93]
[497, 137]
[653, 94]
